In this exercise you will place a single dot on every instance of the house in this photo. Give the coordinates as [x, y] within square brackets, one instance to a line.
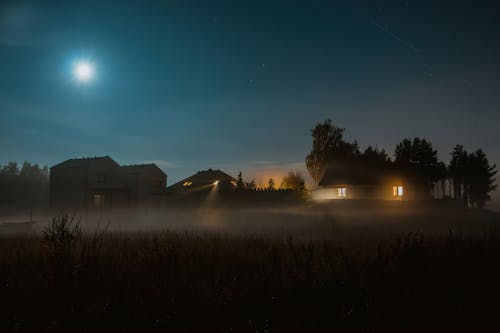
[217, 188]
[145, 182]
[355, 181]
[204, 180]
[101, 182]
[208, 186]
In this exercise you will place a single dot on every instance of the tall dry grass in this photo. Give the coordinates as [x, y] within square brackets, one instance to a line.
[71, 281]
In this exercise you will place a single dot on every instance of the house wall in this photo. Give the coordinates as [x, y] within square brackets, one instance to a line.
[145, 184]
[101, 182]
[78, 186]
[363, 192]
[69, 187]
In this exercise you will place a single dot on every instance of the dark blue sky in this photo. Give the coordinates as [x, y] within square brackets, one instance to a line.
[238, 84]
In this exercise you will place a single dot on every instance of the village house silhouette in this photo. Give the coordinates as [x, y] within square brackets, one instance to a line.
[100, 182]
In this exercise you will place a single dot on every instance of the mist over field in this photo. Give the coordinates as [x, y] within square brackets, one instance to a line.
[345, 266]
[310, 221]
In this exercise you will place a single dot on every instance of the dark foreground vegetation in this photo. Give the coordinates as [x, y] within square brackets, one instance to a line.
[69, 281]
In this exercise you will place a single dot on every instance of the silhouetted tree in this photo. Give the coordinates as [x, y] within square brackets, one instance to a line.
[24, 187]
[419, 159]
[473, 176]
[373, 157]
[271, 185]
[11, 169]
[328, 147]
[458, 171]
[251, 186]
[294, 181]
[441, 175]
[240, 183]
[481, 178]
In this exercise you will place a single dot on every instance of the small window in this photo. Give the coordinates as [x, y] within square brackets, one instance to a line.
[342, 192]
[186, 184]
[397, 191]
[99, 200]
[101, 179]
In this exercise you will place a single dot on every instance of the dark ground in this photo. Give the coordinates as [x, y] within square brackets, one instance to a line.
[346, 268]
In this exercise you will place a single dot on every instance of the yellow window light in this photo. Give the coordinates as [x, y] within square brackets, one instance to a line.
[397, 191]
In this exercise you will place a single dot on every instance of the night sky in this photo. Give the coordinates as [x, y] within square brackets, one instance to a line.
[237, 85]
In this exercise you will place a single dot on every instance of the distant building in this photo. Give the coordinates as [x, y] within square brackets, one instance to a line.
[101, 182]
[217, 188]
[145, 182]
[204, 180]
[204, 187]
[358, 182]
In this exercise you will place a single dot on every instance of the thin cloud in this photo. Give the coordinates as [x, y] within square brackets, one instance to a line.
[263, 162]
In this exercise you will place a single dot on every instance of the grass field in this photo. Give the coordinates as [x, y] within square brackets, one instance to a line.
[357, 279]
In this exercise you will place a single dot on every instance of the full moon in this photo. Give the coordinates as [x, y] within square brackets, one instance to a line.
[84, 71]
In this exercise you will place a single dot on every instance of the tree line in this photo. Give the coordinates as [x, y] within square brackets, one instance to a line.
[292, 181]
[469, 176]
[26, 185]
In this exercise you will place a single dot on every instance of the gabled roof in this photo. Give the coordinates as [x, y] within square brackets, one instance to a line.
[105, 160]
[138, 168]
[85, 162]
[202, 178]
[353, 173]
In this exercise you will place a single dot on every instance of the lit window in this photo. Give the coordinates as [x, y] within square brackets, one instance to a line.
[342, 192]
[234, 183]
[99, 200]
[187, 184]
[397, 191]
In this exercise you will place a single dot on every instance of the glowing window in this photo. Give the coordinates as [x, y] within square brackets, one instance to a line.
[342, 192]
[187, 183]
[397, 191]
[99, 200]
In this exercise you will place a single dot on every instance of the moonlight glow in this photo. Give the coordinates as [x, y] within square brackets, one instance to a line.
[84, 71]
